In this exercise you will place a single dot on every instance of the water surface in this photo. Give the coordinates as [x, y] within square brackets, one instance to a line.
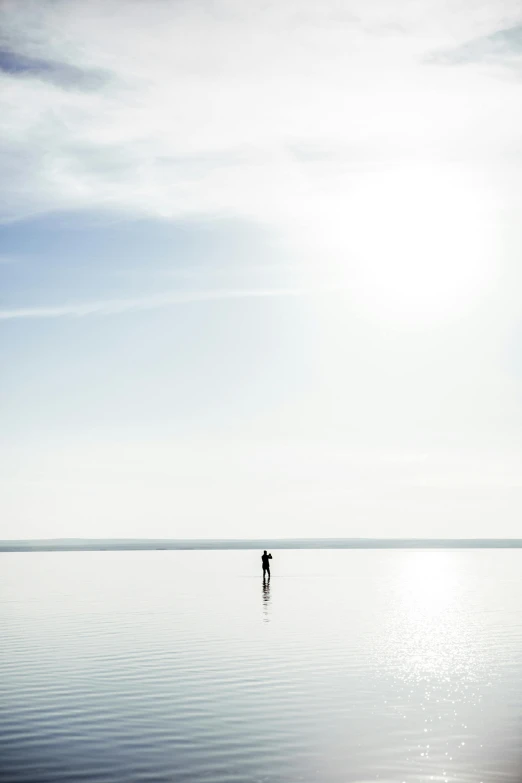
[353, 666]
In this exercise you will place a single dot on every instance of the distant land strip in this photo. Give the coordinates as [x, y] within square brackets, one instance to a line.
[140, 544]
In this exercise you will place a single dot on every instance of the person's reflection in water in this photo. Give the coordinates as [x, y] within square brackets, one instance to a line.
[266, 599]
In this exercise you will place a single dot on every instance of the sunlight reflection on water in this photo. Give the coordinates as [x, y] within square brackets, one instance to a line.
[434, 656]
[428, 633]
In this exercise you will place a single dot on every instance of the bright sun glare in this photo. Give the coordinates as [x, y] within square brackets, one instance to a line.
[414, 246]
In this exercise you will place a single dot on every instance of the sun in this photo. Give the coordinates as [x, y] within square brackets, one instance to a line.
[415, 245]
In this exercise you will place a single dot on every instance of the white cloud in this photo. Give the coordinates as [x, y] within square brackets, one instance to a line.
[207, 109]
[502, 47]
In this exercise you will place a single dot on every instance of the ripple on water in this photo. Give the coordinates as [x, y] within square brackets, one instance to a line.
[391, 666]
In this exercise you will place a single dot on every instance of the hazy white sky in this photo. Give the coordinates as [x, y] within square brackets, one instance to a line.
[260, 268]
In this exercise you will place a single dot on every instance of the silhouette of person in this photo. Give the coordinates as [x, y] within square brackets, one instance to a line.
[265, 560]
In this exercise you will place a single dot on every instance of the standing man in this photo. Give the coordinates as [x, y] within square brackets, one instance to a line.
[265, 560]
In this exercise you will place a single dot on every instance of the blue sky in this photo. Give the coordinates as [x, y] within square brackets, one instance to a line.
[260, 269]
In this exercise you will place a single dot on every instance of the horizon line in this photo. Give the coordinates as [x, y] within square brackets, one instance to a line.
[118, 544]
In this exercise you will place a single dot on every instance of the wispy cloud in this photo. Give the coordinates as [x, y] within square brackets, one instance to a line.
[116, 306]
[260, 113]
[57, 73]
[502, 47]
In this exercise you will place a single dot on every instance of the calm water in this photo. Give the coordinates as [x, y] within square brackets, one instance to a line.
[351, 666]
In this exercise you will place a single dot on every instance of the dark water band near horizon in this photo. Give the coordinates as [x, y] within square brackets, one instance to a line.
[399, 666]
[143, 544]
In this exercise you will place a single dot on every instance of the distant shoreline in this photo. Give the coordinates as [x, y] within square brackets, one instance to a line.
[138, 544]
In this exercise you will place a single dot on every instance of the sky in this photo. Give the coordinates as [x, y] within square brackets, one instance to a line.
[260, 268]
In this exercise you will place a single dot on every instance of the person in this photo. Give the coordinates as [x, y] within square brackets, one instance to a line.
[265, 560]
